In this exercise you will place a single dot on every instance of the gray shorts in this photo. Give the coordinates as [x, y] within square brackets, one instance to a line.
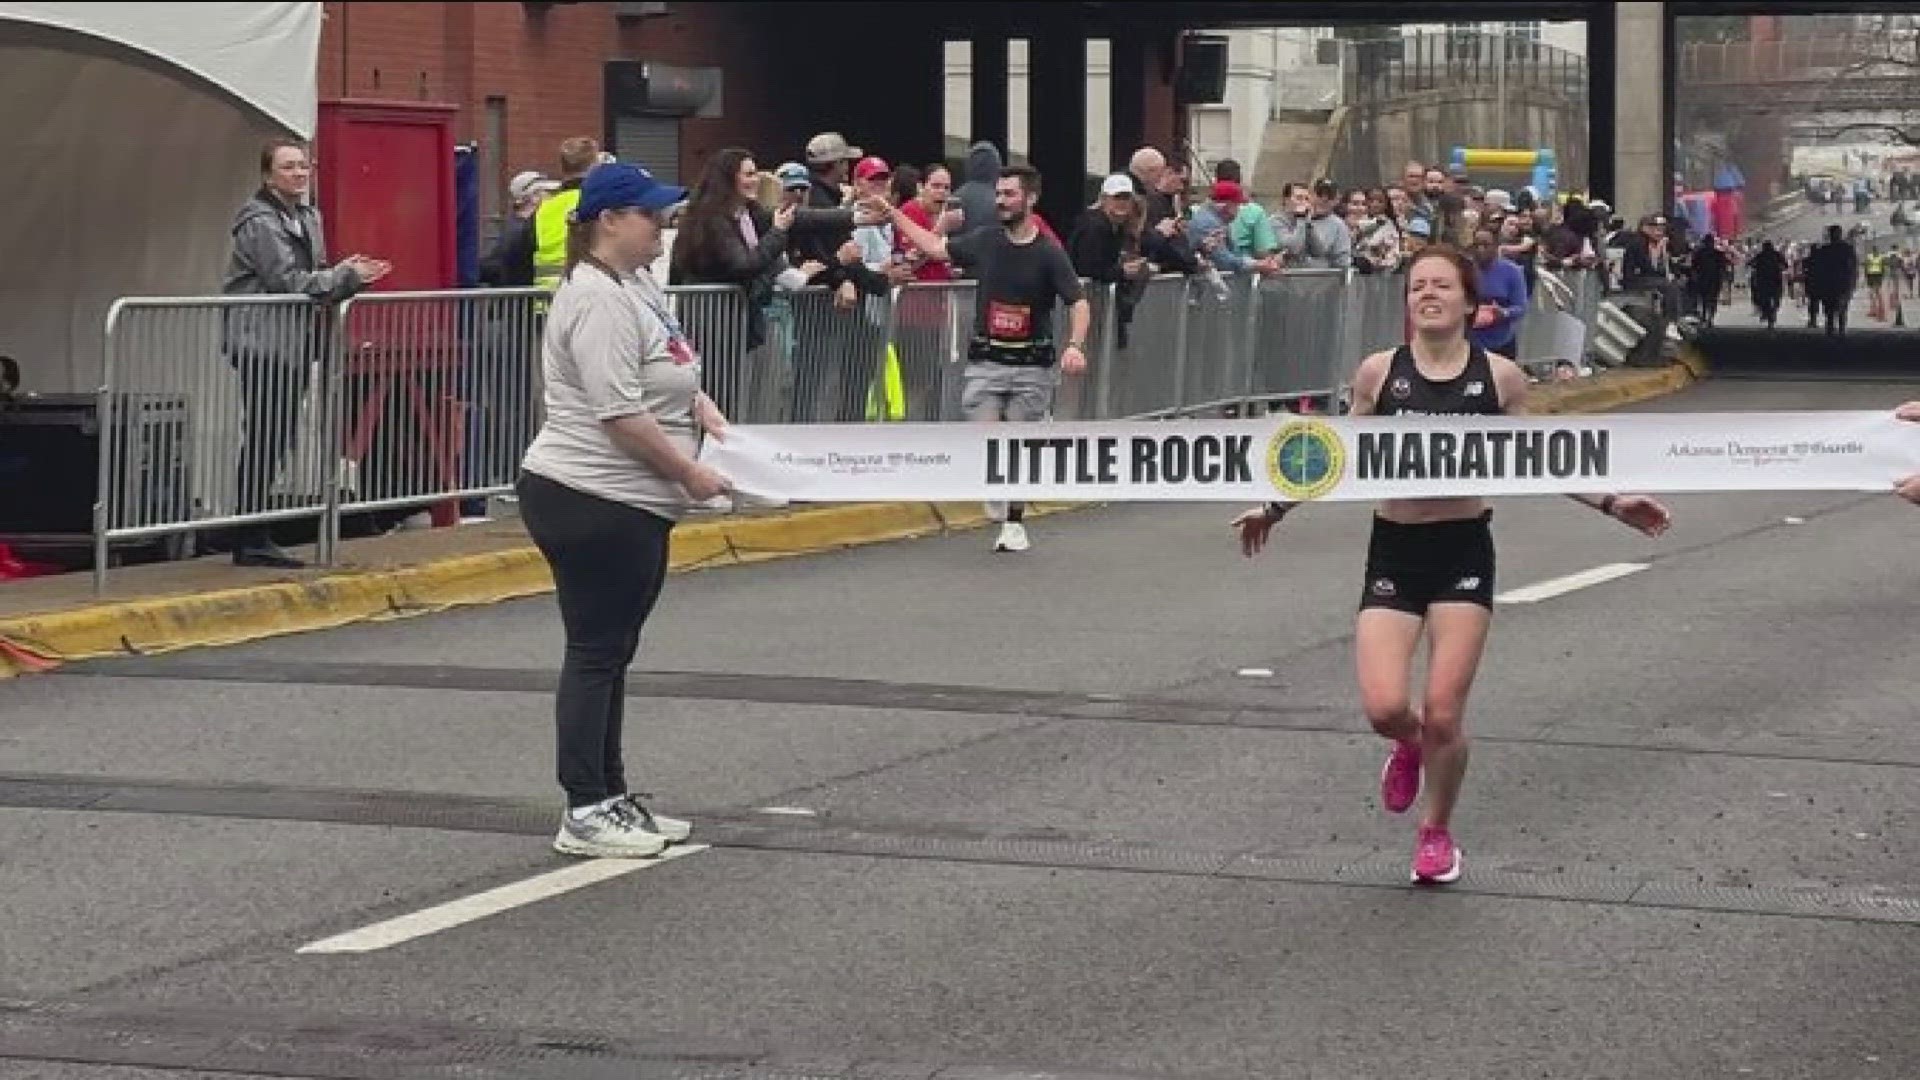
[1008, 391]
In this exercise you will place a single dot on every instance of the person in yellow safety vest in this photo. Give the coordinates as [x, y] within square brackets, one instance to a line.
[550, 222]
[1876, 271]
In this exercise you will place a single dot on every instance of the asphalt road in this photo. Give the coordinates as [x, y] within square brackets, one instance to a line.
[1051, 830]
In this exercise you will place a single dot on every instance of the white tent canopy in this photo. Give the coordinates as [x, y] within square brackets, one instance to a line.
[129, 134]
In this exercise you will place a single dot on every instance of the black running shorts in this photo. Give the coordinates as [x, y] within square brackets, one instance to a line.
[1412, 567]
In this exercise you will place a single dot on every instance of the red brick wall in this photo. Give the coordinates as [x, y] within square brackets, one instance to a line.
[545, 60]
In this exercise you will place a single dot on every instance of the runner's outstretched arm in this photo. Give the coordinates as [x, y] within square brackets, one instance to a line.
[1635, 511]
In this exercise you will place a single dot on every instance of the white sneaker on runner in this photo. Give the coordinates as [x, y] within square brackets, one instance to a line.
[1013, 537]
[609, 830]
[996, 511]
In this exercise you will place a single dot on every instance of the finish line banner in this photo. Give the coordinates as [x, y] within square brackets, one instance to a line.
[1336, 459]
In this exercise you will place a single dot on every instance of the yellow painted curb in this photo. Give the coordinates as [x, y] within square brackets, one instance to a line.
[760, 539]
[1612, 390]
[228, 617]
[164, 624]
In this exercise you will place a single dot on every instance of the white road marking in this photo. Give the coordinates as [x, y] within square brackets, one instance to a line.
[1560, 586]
[1255, 673]
[385, 935]
[790, 811]
[1795, 520]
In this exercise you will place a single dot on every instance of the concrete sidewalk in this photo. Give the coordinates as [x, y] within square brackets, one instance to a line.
[163, 607]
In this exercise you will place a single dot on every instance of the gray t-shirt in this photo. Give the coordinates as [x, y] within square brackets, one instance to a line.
[612, 349]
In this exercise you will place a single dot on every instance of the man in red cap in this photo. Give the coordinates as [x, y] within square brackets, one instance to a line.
[872, 177]
[1251, 230]
[1211, 232]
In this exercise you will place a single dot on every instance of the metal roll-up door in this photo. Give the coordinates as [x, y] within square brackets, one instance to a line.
[652, 142]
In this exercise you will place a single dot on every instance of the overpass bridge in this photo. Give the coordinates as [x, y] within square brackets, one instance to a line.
[1764, 78]
[1867, 93]
[896, 98]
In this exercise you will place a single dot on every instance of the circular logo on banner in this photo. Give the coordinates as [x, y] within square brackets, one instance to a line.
[1305, 460]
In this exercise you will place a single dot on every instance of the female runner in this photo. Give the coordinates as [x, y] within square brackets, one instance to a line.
[1430, 561]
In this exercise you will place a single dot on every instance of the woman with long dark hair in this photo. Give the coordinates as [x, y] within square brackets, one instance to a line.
[728, 238]
[1430, 562]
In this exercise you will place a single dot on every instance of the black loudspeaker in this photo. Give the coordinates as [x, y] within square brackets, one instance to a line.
[50, 462]
[626, 87]
[1203, 71]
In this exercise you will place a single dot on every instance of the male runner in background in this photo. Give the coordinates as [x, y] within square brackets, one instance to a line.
[1011, 361]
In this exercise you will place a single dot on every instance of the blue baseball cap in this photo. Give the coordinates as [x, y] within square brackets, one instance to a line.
[792, 174]
[623, 187]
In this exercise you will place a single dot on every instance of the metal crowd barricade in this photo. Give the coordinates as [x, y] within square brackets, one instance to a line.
[1302, 336]
[1382, 301]
[1144, 356]
[1218, 342]
[437, 395]
[223, 412]
[211, 412]
[921, 377]
[733, 348]
[1561, 320]
[837, 355]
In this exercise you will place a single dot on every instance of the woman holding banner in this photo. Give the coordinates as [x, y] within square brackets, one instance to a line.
[1430, 562]
[614, 466]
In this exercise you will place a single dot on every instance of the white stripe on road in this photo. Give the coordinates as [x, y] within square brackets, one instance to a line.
[1560, 586]
[385, 935]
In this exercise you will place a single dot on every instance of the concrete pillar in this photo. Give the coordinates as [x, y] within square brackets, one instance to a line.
[1127, 94]
[912, 110]
[1057, 123]
[1641, 182]
[989, 90]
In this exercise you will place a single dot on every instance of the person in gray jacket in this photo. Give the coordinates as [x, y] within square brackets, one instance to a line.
[975, 193]
[279, 248]
[1311, 234]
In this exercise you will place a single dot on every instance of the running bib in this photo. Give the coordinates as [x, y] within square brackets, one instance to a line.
[1009, 322]
[1340, 459]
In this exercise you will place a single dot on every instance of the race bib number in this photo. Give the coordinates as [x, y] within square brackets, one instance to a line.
[1009, 322]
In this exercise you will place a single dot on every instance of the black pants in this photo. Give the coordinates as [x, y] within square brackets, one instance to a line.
[609, 561]
[271, 389]
[1836, 310]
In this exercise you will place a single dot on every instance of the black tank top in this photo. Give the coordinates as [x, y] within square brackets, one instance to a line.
[1406, 392]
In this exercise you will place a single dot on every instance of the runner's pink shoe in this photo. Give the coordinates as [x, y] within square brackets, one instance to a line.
[1436, 861]
[1400, 777]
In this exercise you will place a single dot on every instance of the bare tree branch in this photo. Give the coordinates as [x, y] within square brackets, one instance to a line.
[1908, 136]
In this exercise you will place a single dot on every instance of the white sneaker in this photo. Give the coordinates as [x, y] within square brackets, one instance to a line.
[672, 830]
[1013, 537]
[609, 830]
[996, 511]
